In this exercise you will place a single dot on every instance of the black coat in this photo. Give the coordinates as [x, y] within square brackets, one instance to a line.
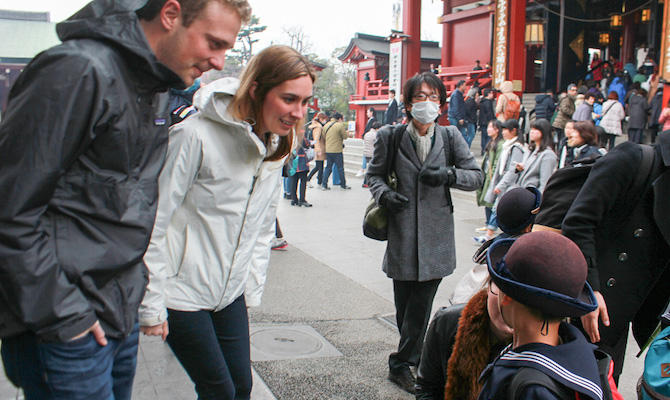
[391, 114]
[638, 110]
[470, 110]
[83, 141]
[368, 126]
[625, 237]
[486, 112]
[544, 106]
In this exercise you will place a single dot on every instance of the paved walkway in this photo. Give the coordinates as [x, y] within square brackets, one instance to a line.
[327, 285]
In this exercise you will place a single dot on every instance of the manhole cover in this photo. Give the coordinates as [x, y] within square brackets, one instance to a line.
[283, 342]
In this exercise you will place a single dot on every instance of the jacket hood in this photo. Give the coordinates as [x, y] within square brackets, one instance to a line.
[213, 99]
[115, 22]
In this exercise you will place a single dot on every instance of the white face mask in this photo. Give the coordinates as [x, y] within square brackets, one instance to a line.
[425, 112]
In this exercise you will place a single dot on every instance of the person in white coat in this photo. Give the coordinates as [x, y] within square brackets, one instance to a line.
[218, 195]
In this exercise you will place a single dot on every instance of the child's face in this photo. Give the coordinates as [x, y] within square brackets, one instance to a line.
[498, 325]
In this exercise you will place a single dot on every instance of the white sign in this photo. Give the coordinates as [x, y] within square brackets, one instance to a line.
[395, 66]
[397, 16]
[500, 44]
[366, 64]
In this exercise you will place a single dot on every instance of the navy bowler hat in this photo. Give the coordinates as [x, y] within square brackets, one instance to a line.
[517, 209]
[543, 270]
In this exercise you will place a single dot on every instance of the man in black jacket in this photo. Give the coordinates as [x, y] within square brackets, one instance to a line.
[623, 228]
[545, 105]
[83, 140]
[391, 115]
[486, 114]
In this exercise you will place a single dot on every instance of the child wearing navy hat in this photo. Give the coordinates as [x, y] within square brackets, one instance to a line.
[541, 278]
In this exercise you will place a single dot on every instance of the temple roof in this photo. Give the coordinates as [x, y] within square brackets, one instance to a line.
[368, 46]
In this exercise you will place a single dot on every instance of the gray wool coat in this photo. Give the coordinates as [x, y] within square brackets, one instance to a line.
[421, 237]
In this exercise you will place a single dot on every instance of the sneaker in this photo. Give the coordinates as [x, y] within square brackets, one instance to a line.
[479, 240]
[365, 185]
[325, 187]
[309, 185]
[481, 229]
[360, 173]
[345, 187]
[295, 203]
[287, 196]
[278, 244]
[305, 204]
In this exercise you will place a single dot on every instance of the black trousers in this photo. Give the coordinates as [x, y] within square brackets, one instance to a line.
[302, 177]
[413, 303]
[334, 158]
[317, 169]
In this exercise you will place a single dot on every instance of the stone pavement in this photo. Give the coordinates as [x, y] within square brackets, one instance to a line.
[320, 332]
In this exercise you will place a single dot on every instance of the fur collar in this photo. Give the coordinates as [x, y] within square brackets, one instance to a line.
[472, 351]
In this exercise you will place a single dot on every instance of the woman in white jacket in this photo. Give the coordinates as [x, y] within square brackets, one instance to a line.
[612, 115]
[218, 197]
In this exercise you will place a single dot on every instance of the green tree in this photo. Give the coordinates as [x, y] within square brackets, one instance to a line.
[247, 38]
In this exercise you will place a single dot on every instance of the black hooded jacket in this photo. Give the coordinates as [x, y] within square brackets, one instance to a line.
[82, 142]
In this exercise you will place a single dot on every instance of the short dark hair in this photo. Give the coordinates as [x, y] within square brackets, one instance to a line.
[190, 9]
[589, 95]
[587, 131]
[613, 95]
[460, 83]
[486, 92]
[392, 91]
[337, 115]
[376, 125]
[413, 85]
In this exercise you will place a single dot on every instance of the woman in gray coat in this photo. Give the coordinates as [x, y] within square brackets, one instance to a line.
[540, 161]
[427, 160]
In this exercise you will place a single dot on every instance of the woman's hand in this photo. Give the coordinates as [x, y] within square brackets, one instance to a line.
[496, 191]
[519, 167]
[156, 330]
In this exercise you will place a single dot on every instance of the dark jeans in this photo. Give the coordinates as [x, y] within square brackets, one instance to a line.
[610, 141]
[213, 348]
[337, 159]
[413, 302]
[317, 170]
[635, 135]
[80, 369]
[485, 138]
[302, 177]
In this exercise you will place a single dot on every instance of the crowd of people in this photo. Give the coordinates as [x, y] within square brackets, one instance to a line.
[121, 215]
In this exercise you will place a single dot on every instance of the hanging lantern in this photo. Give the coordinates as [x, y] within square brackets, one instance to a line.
[604, 38]
[646, 15]
[534, 32]
[616, 21]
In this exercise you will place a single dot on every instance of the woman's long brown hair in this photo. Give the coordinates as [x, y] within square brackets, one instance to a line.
[269, 68]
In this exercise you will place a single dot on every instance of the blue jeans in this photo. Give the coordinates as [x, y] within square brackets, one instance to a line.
[213, 348]
[491, 218]
[80, 369]
[334, 159]
[469, 135]
[336, 174]
[462, 128]
[364, 164]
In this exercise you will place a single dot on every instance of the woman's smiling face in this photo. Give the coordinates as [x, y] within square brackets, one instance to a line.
[286, 104]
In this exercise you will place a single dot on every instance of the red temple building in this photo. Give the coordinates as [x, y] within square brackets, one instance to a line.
[537, 44]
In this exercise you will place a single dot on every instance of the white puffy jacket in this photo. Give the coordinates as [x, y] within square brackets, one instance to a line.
[216, 212]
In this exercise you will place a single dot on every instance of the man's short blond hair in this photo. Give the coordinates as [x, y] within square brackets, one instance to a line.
[190, 9]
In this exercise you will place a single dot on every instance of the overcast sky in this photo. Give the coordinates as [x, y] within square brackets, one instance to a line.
[327, 24]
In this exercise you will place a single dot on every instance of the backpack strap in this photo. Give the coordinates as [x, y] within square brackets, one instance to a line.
[642, 177]
[530, 376]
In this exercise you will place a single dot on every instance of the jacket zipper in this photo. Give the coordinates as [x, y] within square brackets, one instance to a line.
[239, 235]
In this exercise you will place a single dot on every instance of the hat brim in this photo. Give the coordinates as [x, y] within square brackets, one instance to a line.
[550, 303]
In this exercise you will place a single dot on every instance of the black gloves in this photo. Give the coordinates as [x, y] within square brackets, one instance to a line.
[393, 201]
[438, 176]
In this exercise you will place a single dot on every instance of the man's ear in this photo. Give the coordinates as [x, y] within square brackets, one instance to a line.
[170, 15]
[252, 90]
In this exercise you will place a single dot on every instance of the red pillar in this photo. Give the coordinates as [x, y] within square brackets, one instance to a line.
[628, 39]
[411, 24]
[517, 46]
[447, 35]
